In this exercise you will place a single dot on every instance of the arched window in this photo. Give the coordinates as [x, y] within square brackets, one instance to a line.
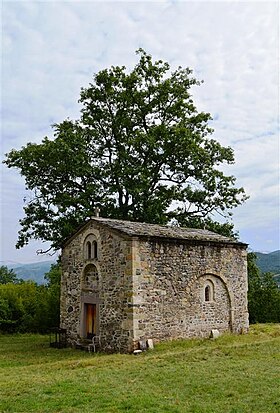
[94, 249]
[90, 247]
[207, 293]
[88, 250]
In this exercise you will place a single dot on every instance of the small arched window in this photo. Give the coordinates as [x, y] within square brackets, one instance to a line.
[90, 247]
[207, 293]
[88, 250]
[94, 249]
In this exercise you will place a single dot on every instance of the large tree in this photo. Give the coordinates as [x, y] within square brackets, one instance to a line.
[140, 151]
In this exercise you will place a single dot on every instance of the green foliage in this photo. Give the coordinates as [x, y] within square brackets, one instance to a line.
[53, 278]
[263, 294]
[140, 151]
[28, 307]
[6, 322]
[8, 276]
[226, 228]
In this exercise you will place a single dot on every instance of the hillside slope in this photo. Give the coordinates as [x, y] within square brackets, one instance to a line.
[269, 262]
[34, 271]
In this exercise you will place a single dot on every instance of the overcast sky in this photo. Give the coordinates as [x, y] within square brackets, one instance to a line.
[52, 48]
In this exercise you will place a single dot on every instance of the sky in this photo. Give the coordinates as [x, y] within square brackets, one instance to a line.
[51, 49]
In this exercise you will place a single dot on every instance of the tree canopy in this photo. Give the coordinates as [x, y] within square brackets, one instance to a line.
[263, 294]
[8, 276]
[140, 151]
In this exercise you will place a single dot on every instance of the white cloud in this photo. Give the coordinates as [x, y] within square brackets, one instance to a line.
[52, 49]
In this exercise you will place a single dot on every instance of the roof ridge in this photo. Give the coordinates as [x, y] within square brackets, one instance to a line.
[159, 231]
[164, 231]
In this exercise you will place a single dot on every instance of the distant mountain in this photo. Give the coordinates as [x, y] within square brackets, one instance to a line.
[269, 262]
[34, 271]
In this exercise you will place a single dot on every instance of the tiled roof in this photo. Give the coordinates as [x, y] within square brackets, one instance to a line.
[162, 231]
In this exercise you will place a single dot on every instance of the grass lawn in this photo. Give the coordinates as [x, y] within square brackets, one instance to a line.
[232, 374]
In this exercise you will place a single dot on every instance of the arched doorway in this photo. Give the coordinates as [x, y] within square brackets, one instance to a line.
[89, 323]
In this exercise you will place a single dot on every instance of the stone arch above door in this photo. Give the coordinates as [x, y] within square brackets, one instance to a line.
[90, 278]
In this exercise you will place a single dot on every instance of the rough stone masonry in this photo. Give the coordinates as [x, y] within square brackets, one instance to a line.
[128, 282]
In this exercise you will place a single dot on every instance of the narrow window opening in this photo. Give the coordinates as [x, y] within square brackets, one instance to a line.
[88, 248]
[207, 293]
[94, 247]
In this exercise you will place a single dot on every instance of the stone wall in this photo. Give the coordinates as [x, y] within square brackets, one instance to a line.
[169, 289]
[151, 288]
[111, 290]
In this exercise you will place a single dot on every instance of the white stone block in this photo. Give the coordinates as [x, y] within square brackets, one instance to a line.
[214, 334]
[150, 344]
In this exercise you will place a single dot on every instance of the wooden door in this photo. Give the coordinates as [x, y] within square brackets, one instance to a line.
[90, 320]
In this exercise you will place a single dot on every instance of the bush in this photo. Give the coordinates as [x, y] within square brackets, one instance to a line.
[263, 295]
[29, 307]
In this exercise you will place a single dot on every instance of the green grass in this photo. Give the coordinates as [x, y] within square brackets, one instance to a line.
[232, 374]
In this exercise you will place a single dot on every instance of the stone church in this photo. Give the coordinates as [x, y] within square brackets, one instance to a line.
[128, 282]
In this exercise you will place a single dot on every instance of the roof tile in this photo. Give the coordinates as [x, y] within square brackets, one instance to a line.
[162, 231]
